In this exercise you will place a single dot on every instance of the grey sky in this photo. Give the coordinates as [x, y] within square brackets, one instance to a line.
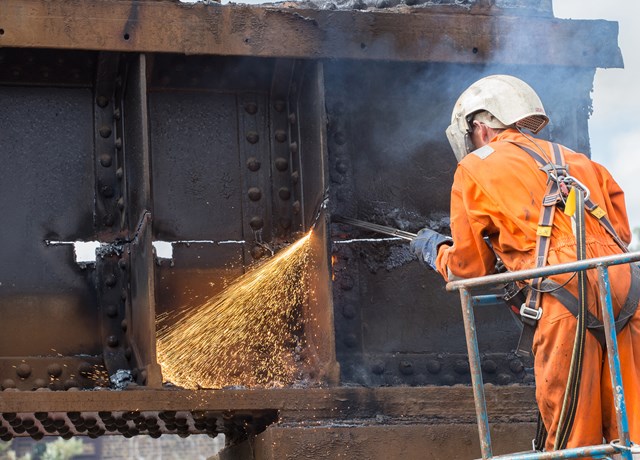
[613, 128]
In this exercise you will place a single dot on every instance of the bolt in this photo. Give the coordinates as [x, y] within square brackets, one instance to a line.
[256, 223]
[254, 194]
[253, 137]
[23, 371]
[106, 160]
[282, 164]
[284, 193]
[253, 164]
[105, 131]
[281, 135]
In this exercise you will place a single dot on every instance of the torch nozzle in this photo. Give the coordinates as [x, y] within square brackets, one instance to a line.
[375, 227]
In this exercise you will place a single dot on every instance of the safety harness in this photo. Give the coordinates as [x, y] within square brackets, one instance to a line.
[568, 193]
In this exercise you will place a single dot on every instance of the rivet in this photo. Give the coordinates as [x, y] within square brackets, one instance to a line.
[434, 366]
[279, 106]
[296, 207]
[123, 325]
[122, 263]
[339, 138]
[119, 173]
[102, 101]
[285, 223]
[128, 353]
[284, 193]
[489, 366]
[405, 367]
[293, 147]
[42, 416]
[8, 383]
[123, 294]
[118, 143]
[292, 118]
[346, 282]
[461, 366]
[28, 422]
[39, 383]
[106, 160]
[23, 370]
[112, 341]
[105, 131]
[85, 369]
[111, 311]
[282, 164]
[54, 370]
[257, 252]
[516, 366]
[295, 176]
[256, 223]
[341, 167]
[254, 194]
[251, 108]
[503, 379]
[253, 164]
[71, 383]
[116, 114]
[37, 435]
[349, 311]
[121, 203]
[110, 280]
[377, 368]
[448, 379]
[281, 135]
[253, 137]
[107, 191]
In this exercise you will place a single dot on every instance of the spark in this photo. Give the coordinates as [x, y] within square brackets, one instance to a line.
[250, 334]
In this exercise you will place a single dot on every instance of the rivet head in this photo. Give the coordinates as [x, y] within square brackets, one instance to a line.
[253, 164]
[8, 383]
[350, 340]
[405, 367]
[121, 203]
[112, 341]
[282, 164]
[295, 177]
[346, 282]
[279, 106]
[254, 194]
[256, 223]
[257, 252]
[108, 220]
[102, 101]
[296, 207]
[39, 383]
[349, 311]
[503, 379]
[251, 108]
[434, 366]
[281, 136]
[107, 191]
[54, 370]
[111, 311]
[377, 368]
[461, 367]
[118, 143]
[85, 369]
[105, 131]
[341, 167]
[489, 366]
[110, 280]
[128, 353]
[284, 193]
[23, 370]
[293, 147]
[253, 137]
[106, 160]
[124, 325]
[116, 114]
[516, 366]
[292, 118]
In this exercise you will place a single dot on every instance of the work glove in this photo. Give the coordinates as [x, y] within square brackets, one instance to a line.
[425, 246]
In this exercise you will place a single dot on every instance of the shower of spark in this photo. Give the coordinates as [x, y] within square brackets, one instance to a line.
[250, 334]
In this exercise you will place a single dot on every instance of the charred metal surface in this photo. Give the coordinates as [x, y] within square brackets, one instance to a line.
[486, 32]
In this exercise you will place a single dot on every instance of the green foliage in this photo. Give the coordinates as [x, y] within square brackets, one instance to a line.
[61, 449]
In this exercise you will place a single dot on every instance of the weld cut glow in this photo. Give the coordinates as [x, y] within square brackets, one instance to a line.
[251, 334]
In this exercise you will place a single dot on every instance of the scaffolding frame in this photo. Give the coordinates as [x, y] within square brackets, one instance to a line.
[623, 445]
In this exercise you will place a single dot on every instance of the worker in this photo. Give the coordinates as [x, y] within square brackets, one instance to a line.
[506, 184]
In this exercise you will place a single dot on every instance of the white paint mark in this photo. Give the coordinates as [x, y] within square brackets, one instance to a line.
[164, 249]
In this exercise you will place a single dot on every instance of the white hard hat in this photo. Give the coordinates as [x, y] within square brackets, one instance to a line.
[509, 101]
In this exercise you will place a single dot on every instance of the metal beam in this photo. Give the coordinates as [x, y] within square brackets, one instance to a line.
[455, 35]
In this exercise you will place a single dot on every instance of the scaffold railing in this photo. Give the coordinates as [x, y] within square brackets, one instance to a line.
[622, 448]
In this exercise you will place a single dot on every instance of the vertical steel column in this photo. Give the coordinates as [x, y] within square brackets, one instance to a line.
[476, 373]
[614, 359]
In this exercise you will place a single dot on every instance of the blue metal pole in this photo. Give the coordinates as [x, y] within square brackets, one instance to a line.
[614, 359]
[476, 373]
[600, 451]
[487, 300]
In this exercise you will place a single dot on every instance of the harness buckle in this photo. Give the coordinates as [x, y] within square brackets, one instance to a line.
[530, 313]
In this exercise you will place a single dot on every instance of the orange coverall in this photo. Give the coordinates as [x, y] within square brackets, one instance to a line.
[497, 193]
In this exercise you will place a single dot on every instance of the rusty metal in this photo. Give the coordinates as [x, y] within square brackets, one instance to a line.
[225, 131]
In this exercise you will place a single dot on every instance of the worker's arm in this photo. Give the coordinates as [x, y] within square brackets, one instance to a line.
[471, 211]
[615, 203]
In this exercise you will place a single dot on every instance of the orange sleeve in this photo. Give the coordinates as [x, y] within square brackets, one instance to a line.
[615, 203]
[470, 255]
